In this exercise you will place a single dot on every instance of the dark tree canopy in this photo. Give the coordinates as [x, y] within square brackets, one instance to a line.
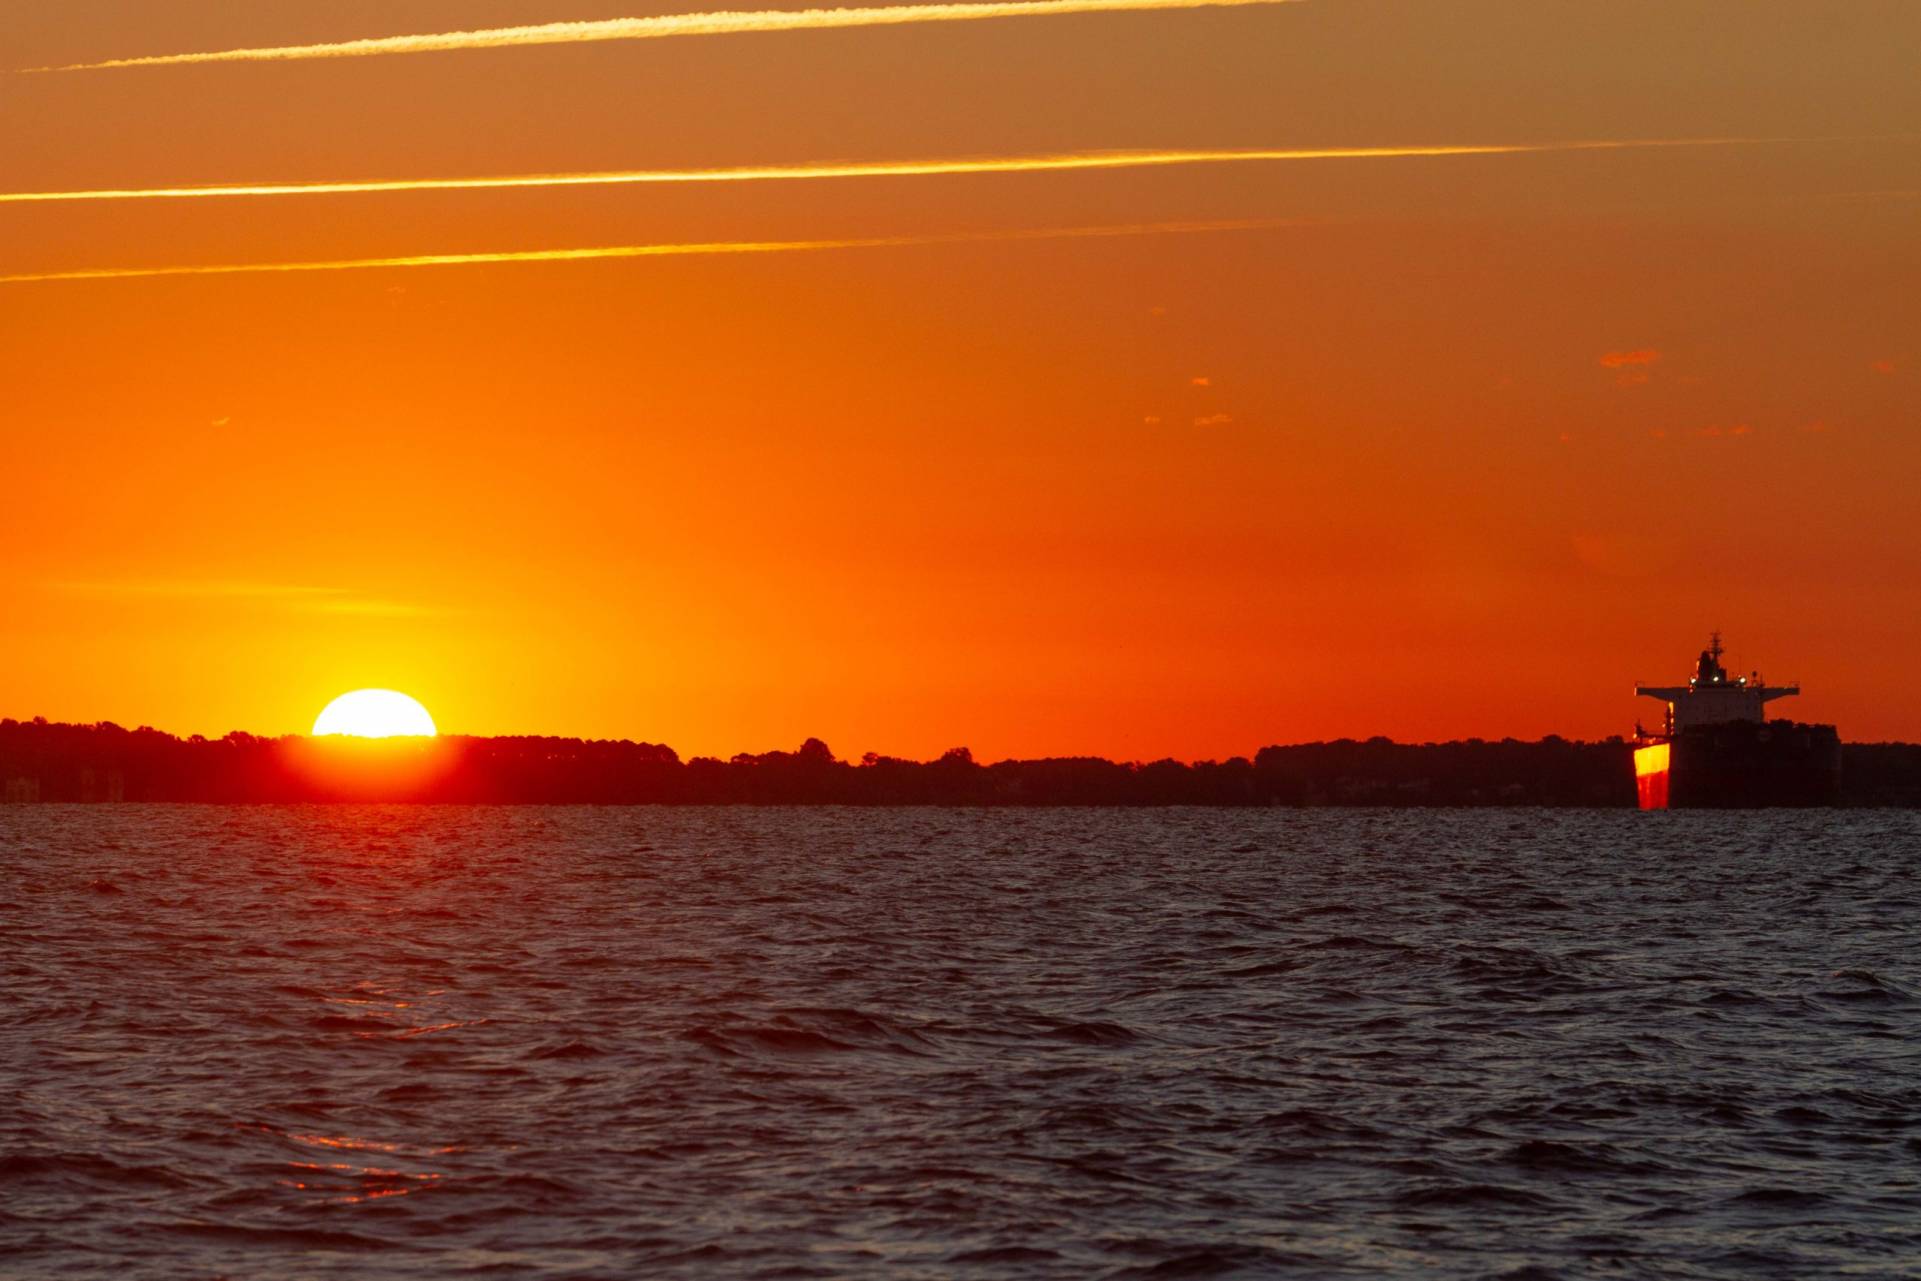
[54, 762]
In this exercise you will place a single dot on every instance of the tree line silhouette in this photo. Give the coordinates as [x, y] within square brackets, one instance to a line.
[52, 762]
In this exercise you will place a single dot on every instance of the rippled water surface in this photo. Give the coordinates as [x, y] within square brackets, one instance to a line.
[606, 1042]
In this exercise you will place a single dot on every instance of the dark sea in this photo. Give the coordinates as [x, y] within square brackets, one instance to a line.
[431, 1042]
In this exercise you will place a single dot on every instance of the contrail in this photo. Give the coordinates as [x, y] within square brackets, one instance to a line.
[721, 23]
[668, 250]
[1056, 162]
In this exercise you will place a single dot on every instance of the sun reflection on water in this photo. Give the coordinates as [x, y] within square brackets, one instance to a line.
[348, 1183]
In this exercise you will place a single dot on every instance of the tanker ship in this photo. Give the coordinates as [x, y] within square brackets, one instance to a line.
[1718, 750]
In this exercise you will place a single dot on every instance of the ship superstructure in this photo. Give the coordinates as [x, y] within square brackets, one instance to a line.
[1716, 746]
[1713, 697]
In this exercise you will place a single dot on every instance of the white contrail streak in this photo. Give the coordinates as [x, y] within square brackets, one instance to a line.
[668, 250]
[1062, 161]
[721, 23]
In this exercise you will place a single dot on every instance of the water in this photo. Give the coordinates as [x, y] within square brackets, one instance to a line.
[790, 1043]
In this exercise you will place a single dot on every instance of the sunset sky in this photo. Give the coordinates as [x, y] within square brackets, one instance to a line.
[1052, 451]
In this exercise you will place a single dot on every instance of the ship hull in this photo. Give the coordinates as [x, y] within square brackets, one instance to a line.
[1741, 765]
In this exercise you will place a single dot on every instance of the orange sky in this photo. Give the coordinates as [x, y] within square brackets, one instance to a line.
[1439, 446]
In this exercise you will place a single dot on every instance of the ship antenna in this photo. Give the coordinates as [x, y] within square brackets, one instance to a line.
[1714, 644]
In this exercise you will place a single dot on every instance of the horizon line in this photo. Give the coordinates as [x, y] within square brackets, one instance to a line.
[641, 742]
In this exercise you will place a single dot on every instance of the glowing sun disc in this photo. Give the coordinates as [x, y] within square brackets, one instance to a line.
[375, 713]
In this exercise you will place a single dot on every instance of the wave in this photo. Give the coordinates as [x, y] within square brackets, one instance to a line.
[864, 1044]
[85, 1167]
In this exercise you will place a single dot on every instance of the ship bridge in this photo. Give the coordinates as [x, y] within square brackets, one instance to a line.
[1713, 697]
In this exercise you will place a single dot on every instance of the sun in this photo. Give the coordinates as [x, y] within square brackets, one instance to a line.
[375, 713]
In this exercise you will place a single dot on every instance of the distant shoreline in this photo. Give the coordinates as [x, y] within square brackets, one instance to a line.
[48, 762]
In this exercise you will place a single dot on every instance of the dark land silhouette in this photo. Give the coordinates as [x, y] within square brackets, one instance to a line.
[51, 762]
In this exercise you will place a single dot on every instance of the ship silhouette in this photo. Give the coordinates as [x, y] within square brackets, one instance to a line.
[1716, 748]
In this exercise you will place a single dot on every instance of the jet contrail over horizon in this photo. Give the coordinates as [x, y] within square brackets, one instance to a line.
[670, 250]
[718, 23]
[1040, 163]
